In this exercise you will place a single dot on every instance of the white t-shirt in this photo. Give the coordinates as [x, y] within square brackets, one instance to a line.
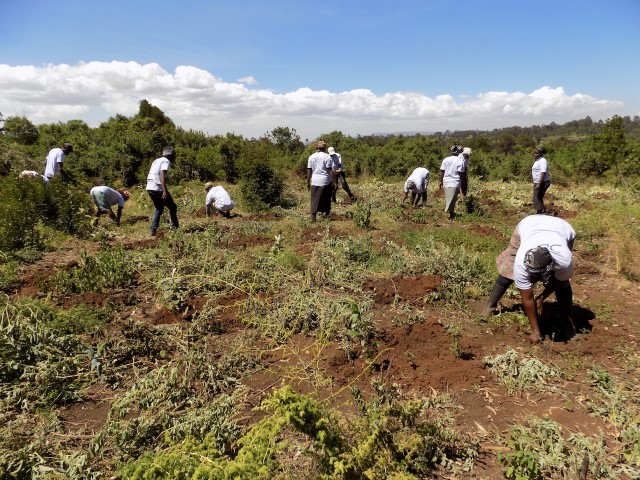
[220, 198]
[544, 231]
[153, 179]
[465, 161]
[453, 166]
[417, 181]
[319, 162]
[111, 196]
[54, 158]
[337, 161]
[540, 167]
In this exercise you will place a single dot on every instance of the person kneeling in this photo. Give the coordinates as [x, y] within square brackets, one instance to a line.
[218, 201]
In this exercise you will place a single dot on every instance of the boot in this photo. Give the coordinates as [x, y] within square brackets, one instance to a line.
[496, 294]
[564, 298]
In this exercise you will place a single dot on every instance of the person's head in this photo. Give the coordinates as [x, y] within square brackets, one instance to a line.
[169, 152]
[456, 149]
[539, 151]
[67, 148]
[466, 151]
[538, 263]
[331, 151]
[125, 194]
[208, 186]
[321, 146]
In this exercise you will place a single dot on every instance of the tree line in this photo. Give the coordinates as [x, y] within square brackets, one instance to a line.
[120, 150]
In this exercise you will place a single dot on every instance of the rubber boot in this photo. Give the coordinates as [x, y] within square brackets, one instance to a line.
[564, 298]
[498, 290]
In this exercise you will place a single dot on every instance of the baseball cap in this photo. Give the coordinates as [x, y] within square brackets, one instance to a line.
[466, 151]
[208, 185]
[331, 151]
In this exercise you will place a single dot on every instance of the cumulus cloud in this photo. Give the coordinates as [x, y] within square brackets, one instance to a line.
[197, 99]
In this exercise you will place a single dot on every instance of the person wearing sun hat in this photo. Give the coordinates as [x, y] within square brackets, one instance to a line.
[320, 180]
[338, 171]
[106, 197]
[540, 250]
[218, 200]
[464, 178]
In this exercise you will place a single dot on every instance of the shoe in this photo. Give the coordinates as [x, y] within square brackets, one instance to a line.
[153, 233]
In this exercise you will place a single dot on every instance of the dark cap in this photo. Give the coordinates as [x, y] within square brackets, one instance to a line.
[541, 150]
[67, 147]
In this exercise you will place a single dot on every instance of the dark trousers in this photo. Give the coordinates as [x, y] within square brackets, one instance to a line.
[538, 196]
[345, 186]
[159, 203]
[320, 199]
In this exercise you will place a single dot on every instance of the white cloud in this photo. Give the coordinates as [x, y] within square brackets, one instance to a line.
[197, 99]
[249, 80]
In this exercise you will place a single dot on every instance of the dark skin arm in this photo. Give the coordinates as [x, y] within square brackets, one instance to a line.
[118, 215]
[529, 304]
[441, 177]
[308, 179]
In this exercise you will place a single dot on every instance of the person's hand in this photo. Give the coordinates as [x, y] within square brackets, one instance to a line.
[164, 194]
[534, 337]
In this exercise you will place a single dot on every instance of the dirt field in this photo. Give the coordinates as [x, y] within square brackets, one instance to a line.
[422, 344]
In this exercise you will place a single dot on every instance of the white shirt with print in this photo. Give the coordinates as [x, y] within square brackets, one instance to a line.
[453, 166]
[319, 162]
[111, 196]
[544, 231]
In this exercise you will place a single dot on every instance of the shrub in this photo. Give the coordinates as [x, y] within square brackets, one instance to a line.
[261, 187]
[19, 211]
[362, 215]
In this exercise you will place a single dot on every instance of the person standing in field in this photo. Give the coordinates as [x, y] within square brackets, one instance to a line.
[540, 250]
[464, 178]
[339, 173]
[417, 183]
[106, 197]
[217, 201]
[158, 192]
[541, 179]
[320, 180]
[55, 161]
[450, 170]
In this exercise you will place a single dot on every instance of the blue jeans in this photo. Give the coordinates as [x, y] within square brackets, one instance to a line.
[159, 203]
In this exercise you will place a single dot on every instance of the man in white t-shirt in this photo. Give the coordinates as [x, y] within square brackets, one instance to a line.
[450, 170]
[540, 250]
[464, 177]
[541, 179]
[158, 192]
[218, 200]
[340, 175]
[55, 160]
[417, 183]
[106, 197]
[320, 180]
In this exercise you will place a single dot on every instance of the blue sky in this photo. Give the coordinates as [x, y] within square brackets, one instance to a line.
[360, 67]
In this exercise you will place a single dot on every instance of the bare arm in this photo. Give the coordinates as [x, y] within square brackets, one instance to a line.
[308, 178]
[163, 183]
[529, 304]
[118, 215]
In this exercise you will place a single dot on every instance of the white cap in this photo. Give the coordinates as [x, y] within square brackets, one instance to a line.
[466, 151]
[331, 151]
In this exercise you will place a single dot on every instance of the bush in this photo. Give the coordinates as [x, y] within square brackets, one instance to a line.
[261, 187]
[19, 201]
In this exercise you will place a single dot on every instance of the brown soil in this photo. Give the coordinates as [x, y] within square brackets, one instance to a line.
[421, 357]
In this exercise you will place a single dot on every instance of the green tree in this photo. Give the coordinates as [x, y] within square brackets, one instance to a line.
[21, 130]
